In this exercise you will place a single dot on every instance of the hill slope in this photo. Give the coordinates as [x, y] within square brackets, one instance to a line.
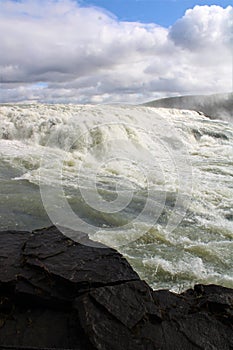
[216, 106]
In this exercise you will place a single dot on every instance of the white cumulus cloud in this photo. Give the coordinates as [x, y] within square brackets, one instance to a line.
[204, 27]
[85, 54]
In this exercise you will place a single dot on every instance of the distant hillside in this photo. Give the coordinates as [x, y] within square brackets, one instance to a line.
[215, 106]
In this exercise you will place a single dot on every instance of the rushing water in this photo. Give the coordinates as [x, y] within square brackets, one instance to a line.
[154, 183]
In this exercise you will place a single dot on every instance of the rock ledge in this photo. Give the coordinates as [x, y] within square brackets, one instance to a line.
[56, 293]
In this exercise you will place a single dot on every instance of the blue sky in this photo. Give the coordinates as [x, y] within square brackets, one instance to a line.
[162, 12]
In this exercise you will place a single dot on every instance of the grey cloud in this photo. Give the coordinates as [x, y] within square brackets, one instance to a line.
[87, 55]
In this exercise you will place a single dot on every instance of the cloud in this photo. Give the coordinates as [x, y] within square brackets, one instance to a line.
[204, 27]
[84, 54]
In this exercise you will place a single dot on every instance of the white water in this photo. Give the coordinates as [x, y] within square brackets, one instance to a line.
[155, 183]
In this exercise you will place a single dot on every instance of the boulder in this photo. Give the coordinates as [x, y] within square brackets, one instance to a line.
[57, 293]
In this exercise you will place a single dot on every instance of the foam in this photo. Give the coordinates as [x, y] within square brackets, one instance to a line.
[113, 160]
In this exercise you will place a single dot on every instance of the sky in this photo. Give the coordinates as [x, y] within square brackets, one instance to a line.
[162, 12]
[114, 51]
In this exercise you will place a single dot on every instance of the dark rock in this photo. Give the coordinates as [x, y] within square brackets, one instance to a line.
[56, 293]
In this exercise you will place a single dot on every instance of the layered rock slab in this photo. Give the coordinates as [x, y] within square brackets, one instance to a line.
[57, 293]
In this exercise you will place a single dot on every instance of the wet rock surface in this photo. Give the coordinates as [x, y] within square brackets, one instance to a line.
[56, 293]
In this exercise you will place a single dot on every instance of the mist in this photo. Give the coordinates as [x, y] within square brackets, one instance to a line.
[216, 106]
